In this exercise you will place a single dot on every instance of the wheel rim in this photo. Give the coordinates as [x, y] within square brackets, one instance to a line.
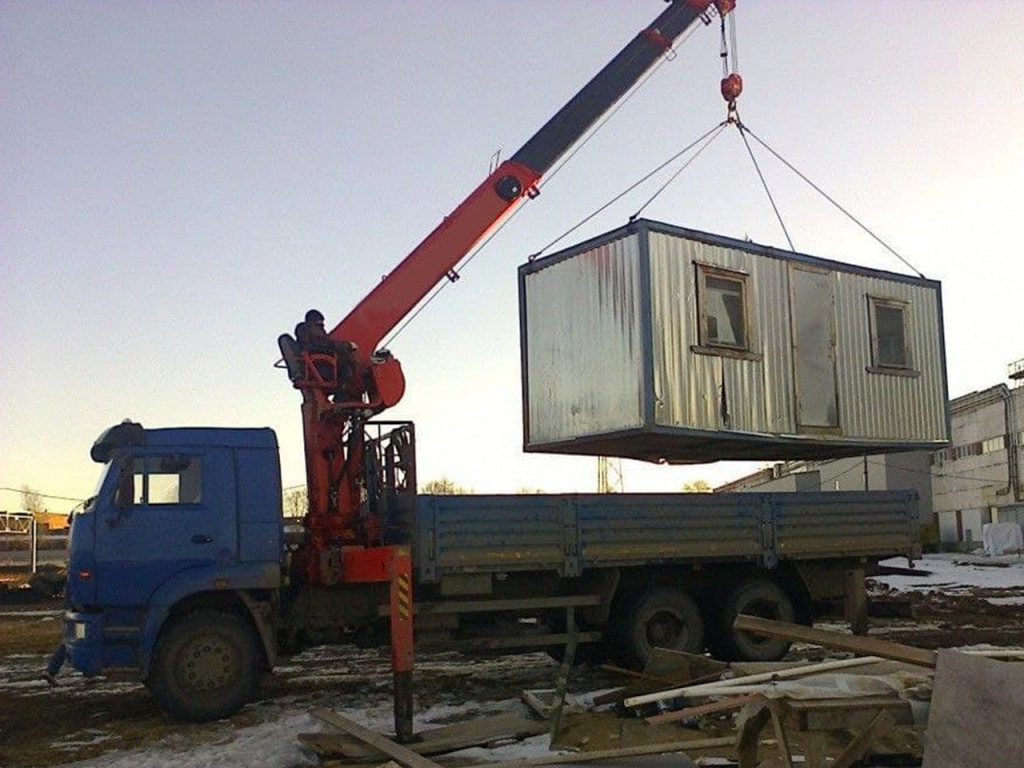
[763, 609]
[208, 664]
[665, 630]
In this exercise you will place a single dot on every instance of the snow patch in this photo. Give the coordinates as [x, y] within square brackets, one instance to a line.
[954, 573]
[268, 745]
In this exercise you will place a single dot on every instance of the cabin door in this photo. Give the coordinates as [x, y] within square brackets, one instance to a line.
[813, 322]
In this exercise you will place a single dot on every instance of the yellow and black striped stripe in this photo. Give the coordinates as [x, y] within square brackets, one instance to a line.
[404, 588]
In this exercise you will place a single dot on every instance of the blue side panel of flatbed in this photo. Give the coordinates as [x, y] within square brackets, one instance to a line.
[566, 534]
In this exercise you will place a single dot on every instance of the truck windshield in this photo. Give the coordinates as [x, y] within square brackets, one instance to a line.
[91, 501]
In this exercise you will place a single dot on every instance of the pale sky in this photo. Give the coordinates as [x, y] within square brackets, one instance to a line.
[179, 182]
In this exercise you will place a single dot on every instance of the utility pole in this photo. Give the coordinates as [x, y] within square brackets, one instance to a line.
[609, 475]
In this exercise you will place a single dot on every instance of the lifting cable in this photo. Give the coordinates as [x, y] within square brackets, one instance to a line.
[732, 87]
[708, 137]
[669, 55]
[744, 129]
[716, 132]
[764, 182]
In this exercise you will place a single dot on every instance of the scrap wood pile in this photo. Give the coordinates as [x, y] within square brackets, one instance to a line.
[949, 708]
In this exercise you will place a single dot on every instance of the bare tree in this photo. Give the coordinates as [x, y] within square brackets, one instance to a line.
[32, 500]
[296, 502]
[697, 486]
[443, 487]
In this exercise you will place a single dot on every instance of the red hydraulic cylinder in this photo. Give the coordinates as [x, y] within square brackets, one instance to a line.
[391, 564]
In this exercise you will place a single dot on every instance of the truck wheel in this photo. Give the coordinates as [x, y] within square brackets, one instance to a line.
[660, 618]
[205, 666]
[758, 597]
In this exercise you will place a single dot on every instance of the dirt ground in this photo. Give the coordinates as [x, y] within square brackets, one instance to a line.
[80, 719]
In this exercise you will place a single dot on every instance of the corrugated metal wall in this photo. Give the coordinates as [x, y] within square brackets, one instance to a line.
[583, 344]
[761, 393]
[879, 405]
[687, 385]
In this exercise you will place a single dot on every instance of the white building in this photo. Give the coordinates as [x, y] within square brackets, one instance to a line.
[976, 480]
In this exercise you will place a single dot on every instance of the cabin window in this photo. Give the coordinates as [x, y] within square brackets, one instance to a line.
[722, 305]
[162, 480]
[889, 333]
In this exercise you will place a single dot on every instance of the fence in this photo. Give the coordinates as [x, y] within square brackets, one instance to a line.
[26, 545]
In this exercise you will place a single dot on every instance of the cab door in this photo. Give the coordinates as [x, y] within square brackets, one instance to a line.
[172, 509]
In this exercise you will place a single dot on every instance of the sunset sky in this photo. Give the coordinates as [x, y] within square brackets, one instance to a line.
[179, 182]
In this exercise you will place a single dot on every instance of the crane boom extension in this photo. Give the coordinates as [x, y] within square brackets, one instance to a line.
[372, 380]
[392, 299]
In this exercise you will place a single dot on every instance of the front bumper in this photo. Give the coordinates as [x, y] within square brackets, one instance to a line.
[83, 638]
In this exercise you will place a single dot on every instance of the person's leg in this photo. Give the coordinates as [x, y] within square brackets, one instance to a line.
[54, 664]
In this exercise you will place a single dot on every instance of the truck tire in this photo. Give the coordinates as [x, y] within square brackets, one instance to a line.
[757, 597]
[206, 666]
[661, 617]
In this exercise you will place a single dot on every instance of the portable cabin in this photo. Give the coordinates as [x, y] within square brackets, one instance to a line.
[667, 344]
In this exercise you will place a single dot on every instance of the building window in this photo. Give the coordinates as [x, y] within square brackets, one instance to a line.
[888, 319]
[722, 306]
[993, 444]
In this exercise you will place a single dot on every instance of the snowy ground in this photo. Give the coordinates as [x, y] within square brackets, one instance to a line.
[960, 574]
[961, 600]
[115, 724]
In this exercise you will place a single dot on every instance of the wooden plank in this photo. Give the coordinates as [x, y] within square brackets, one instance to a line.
[723, 687]
[852, 643]
[569, 654]
[860, 702]
[775, 712]
[666, 662]
[663, 680]
[638, 675]
[541, 701]
[814, 750]
[750, 737]
[856, 749]
[434, 741]
[395, 751]
[976, 710]
[612, 754]
[778, 709]
[856, 600]
[704, 709]
[610, 696]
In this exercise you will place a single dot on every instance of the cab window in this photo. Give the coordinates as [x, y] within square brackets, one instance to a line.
[161, 480]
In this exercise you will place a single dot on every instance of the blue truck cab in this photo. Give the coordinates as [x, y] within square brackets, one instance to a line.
[184, 531]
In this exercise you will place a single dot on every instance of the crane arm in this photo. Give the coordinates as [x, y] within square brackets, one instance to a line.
[408, 283]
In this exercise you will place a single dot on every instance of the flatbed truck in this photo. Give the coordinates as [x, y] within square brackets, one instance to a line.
[179, 566]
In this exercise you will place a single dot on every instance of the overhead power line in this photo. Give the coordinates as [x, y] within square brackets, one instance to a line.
[40, 494]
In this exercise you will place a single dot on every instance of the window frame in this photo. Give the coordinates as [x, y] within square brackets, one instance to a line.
[704, 344]
[150, 465]
[877, 366]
